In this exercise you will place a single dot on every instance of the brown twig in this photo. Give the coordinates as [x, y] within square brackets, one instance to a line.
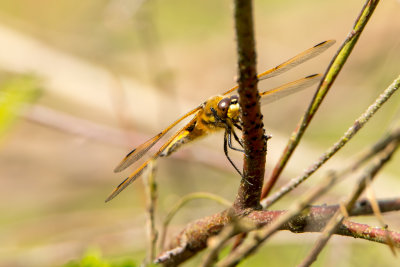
[195, 236]
[253, 133]
[337, 219]
[215, 244]
[193, 239]
[364, 207]
[327, 81]
[250, 247]
[183, 201]
[375, 234]
[378, 214]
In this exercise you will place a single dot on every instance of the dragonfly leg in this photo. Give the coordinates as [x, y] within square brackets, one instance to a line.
[226, 134]
[237, 126]
[267, 137]
[230, 133]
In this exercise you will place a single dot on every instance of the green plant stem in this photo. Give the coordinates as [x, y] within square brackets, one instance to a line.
[358, 124]
[327, 81]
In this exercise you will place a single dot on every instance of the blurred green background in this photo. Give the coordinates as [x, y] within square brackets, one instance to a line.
[82, 82]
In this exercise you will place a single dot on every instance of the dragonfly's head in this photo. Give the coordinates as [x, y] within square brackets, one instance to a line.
[229, 107]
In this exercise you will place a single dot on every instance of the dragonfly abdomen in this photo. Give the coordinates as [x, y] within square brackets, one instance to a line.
[198, 129]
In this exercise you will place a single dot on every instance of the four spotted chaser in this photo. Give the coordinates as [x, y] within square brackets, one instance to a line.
[218, 113]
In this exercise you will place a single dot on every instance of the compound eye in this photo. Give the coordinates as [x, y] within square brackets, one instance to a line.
[224, 104]
[234, 99]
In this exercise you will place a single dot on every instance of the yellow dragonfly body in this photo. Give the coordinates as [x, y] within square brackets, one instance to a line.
[218, 113]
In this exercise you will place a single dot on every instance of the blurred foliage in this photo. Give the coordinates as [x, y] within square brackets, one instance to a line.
[15, 93]
[93, 258]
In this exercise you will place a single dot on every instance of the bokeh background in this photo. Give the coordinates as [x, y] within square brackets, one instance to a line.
[92, 79]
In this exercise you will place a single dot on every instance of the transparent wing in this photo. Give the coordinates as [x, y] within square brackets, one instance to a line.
[293, 62]
[140, 170]
[289, 88]
[297, 60]
[137, 153]
[128, 180]
[267, 96]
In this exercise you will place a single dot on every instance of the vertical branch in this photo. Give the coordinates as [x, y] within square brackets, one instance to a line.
[253, 133]
[329, 77]
[151, 195]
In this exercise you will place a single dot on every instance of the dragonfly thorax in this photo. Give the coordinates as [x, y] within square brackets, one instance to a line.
[234, 109]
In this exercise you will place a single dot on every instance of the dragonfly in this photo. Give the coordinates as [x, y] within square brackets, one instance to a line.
[218, 113]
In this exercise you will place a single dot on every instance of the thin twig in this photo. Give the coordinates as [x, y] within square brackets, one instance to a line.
[215, 244]
[151, 195]
[195, 237]
[364, 207]
[358, 124]
[381, 144]
[337, 219]
[378, 214]
[306, 222]
[366, 232]
[248, 248]
[182, 202]
[328, 79]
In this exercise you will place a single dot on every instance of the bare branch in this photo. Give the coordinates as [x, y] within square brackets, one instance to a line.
[253, 133]
[337, 219]
[250, 247]
[378, 214]
[183, 201]
[375, 234]
[217, 243]
[193, 239]
[195, 236]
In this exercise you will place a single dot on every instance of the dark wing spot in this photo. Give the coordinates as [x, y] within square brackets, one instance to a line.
[321, 43]
[130, 153]
[122, 182]
[312, 75]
